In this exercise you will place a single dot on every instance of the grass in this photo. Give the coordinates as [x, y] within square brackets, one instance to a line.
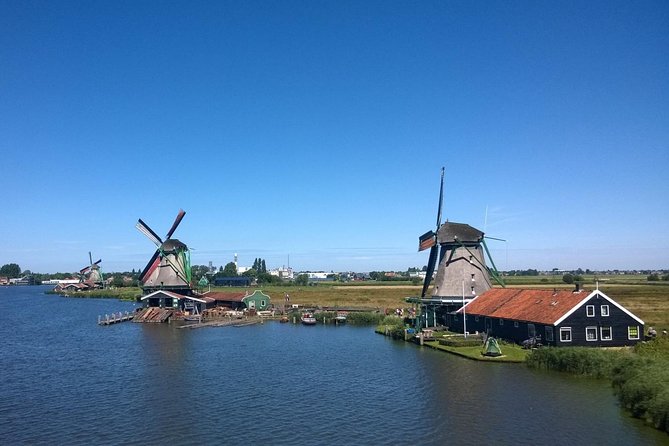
[510, 352]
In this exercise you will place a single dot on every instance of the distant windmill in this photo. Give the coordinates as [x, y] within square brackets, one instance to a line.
[458, 250]
[169, 268]
[92, 274]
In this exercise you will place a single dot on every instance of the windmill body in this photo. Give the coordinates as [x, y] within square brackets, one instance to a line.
[91, 275]
[457, 252]
[169, 267]
[461, 261]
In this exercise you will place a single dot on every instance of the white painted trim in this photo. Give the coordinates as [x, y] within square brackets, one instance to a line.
[586, 333]
[611, 301]
[638, 332]
[173, 296]
[589, 313]
[567, 330]
[601, 310]
[601, 335]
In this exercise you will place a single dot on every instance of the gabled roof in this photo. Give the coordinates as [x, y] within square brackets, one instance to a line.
[532, 305]
[257, 294]
[172, 295]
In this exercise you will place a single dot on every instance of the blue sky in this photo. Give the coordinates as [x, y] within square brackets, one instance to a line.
[317, 129]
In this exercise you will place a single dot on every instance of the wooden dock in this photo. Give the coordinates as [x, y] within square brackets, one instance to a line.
[225, 323]
[154, 314]
[115, 318]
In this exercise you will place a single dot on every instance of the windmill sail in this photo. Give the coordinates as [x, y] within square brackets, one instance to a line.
[169, 267]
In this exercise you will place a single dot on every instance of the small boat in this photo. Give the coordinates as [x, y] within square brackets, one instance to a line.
[340, 318]
[308, 319]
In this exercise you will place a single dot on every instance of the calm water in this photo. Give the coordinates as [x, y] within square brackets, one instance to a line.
[66, 380]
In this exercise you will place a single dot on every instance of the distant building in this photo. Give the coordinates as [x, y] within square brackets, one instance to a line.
[285, 273]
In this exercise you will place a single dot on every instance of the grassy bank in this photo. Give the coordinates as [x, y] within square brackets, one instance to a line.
[129, 293]
[640, 376]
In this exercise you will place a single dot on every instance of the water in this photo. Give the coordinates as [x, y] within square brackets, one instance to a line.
[66, 380]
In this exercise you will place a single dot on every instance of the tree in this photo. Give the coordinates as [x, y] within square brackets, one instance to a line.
[263, 268]
[302, 280]
[230, 270]
[11, 270]
[568, 278]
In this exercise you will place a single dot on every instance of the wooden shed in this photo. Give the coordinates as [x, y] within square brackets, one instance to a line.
[560, 318]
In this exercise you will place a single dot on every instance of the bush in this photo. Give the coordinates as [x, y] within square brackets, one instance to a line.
[365, 318]
[578, 360]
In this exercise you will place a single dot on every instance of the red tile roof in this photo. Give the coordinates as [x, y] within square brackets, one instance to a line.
[541, 306]
[225, 297]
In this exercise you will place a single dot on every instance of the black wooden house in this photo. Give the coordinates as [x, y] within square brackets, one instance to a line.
[559, 318]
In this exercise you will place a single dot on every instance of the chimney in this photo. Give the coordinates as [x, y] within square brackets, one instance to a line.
[577, 287]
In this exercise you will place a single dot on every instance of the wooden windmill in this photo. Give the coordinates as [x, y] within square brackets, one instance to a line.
[459, 253]
[169, 268]
[91, 274]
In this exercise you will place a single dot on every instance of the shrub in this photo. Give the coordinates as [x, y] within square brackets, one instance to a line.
[365, 318]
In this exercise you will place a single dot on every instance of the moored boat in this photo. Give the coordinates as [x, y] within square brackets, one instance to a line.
[308, 319]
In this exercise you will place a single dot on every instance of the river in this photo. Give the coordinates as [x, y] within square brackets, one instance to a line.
[67, 380]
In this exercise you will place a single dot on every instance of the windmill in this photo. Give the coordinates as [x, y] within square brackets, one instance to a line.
[458, 251]
[92, 274]
[169, 267]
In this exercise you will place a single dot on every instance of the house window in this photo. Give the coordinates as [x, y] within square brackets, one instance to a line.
[262, 303]
[605, 310]
[501, 322]
[565, 334]
[549, 334]
[531, 331]
[590, 333]
[476, 318]
[633, 332]
[605, 333]
[590, 310]
[515, 324]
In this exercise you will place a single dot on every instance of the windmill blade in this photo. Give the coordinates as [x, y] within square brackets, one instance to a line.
[151, 266]
[180, 217]
[493, 238]
[144, 229]
[84, 270]
[98, 262]
[441, 199]
[90, 258]
[430, 269]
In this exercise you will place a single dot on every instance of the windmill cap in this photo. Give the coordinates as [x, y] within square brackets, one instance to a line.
[449, 231]
[173, 245]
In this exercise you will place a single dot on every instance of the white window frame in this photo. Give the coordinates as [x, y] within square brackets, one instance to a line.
[601, 333]
[629, 334]
[565, 330]
[515, 324]
[604, 309]
[586, 334]
[590, 310]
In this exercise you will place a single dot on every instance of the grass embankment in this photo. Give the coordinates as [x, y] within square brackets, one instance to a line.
[471, 347]
[640, 376]
[129, 293]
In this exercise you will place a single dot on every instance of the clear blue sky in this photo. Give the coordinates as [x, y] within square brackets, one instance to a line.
[317, 129]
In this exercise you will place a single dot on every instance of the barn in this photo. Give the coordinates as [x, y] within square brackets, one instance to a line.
[559, 317]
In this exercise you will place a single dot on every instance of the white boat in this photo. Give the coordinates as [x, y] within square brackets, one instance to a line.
[308, 319]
